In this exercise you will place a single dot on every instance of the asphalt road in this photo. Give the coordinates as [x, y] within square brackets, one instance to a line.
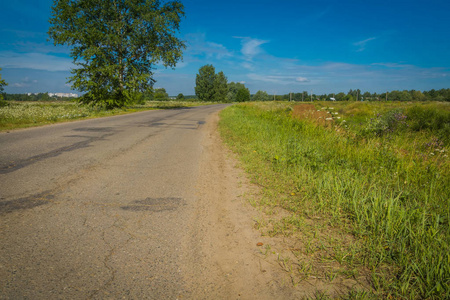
[98, 209]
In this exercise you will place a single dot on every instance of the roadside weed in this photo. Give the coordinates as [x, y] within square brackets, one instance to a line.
[370, 197]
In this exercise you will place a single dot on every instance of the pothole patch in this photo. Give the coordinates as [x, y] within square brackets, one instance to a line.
[24, 203]
[155, 204]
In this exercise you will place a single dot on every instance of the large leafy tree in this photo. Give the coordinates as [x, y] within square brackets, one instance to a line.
[204, 83]
[116, 44]
[220, 87]
[233, 89]
[242, 95]
[210, 86]
[161, 94]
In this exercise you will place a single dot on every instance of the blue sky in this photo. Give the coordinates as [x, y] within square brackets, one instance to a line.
[281, 46]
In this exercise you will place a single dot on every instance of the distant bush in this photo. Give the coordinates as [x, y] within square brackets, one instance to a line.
[431, 118]
[389, 122]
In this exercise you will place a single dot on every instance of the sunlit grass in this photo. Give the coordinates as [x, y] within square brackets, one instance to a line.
[381, 190]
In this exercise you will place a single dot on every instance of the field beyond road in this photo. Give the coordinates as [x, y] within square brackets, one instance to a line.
[359, 192]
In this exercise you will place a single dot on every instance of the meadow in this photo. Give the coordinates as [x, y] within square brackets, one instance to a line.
[21, 114]
[360, 190]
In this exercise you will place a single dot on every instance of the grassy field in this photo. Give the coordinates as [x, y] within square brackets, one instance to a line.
[28, 114]
[361, 189]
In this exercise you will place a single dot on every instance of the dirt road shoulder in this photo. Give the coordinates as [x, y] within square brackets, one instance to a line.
[229, 261]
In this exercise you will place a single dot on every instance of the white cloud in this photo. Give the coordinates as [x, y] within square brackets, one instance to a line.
[251, 47]
[302, 79]
[279, 79]
[362, 44]
[393, 65]
[248, 66]
[197, 45]
[24, 82]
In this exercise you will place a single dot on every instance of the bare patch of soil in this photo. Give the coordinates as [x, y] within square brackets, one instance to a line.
[233, 260]
[230, 253]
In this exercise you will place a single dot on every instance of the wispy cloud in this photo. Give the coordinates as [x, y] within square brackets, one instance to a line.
[24, 82]
[279, 79]
[302, 79]
[393, 65]
[251, 46]
[198, 46]
[36, 61]
[361, 45]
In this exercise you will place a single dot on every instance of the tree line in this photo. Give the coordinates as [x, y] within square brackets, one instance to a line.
[357, 95]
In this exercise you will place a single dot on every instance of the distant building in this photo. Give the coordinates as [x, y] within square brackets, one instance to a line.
[63, 95]
[60, 95]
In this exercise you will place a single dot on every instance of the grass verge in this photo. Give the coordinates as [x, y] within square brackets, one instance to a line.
[367, 201]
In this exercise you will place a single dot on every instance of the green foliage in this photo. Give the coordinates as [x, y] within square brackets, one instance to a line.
[161, 94]
[261, 96]
[385, 123]
[242, 95]
[412, 95]
[180, 96]
[220, 87]
[432, 118]
[390, 193]
[233, 89]
[204, 83]
[211, 86]
[115, 45]
[2, 84]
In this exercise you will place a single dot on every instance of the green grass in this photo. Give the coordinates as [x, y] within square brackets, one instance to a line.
[366, 198]
[28, 114]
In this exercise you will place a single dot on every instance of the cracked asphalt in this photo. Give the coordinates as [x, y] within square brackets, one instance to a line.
[100, 208]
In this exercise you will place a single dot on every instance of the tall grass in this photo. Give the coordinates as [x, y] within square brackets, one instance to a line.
[390, 189]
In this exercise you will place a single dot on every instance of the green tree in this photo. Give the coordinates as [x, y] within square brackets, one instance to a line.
[261, 96]
[204, 83]
[348, 97]
[147, 95]
[417, 95]
[180, 96]
[161, 94]
[220, 87]
[115, 44]
[340, 96]
[233, 88]
[242, 95]
[2, 84]
[400, 96]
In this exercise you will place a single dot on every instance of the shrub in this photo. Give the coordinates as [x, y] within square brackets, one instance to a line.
[389, 122]
[431, 118]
